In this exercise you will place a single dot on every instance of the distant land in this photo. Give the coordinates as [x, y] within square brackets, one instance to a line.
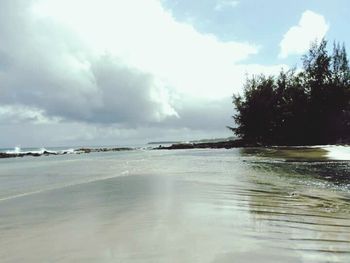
[214, 140]
[164, 142]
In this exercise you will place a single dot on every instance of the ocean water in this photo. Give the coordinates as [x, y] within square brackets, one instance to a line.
[174, 206]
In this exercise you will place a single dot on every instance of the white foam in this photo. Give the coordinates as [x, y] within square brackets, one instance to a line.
[17, 149]
[41, 151]
[68, 151]
[337, 152]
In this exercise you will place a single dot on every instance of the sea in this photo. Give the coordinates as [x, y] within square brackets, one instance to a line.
[198, 205]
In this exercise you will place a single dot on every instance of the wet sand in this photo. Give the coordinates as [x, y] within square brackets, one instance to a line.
[174, 206]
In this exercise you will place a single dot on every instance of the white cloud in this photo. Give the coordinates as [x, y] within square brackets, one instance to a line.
[221, 4]
[128, 64]
[146, 36]
[311, 27]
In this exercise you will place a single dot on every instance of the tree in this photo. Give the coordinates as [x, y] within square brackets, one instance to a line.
[309, 107]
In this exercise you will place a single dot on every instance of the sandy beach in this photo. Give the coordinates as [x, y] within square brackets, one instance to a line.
[173, 206]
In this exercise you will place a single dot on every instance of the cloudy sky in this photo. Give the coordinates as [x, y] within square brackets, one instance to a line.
[118, 72]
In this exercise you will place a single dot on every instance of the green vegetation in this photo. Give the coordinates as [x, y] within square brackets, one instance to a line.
[298, 108]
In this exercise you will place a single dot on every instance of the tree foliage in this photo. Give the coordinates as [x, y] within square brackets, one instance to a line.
[297, 108]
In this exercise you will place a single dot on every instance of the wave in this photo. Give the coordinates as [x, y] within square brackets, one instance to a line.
[337, 152]
[41, 151]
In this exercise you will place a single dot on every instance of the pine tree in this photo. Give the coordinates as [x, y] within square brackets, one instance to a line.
[309, 107]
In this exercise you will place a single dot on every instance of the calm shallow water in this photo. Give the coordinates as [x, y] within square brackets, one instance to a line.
[174, 206]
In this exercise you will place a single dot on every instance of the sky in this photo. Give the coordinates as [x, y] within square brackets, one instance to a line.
[123, 72]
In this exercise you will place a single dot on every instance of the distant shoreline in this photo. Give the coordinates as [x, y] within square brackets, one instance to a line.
[238, 143]
[229, 144]
[310, 150]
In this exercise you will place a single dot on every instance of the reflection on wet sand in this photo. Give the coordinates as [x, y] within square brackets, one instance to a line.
[182, 206]
[308, 220]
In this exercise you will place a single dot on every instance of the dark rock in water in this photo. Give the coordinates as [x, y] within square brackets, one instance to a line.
[23, 154]
[90, 150]
[51, 153]
[34, 154]
[84, 150]
[6, 155]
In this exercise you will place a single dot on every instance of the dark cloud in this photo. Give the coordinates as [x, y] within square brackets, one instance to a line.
[41, 67]
[128, 95]
[201, 114]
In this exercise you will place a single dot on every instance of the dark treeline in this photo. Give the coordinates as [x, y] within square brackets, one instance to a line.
[298, 108]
